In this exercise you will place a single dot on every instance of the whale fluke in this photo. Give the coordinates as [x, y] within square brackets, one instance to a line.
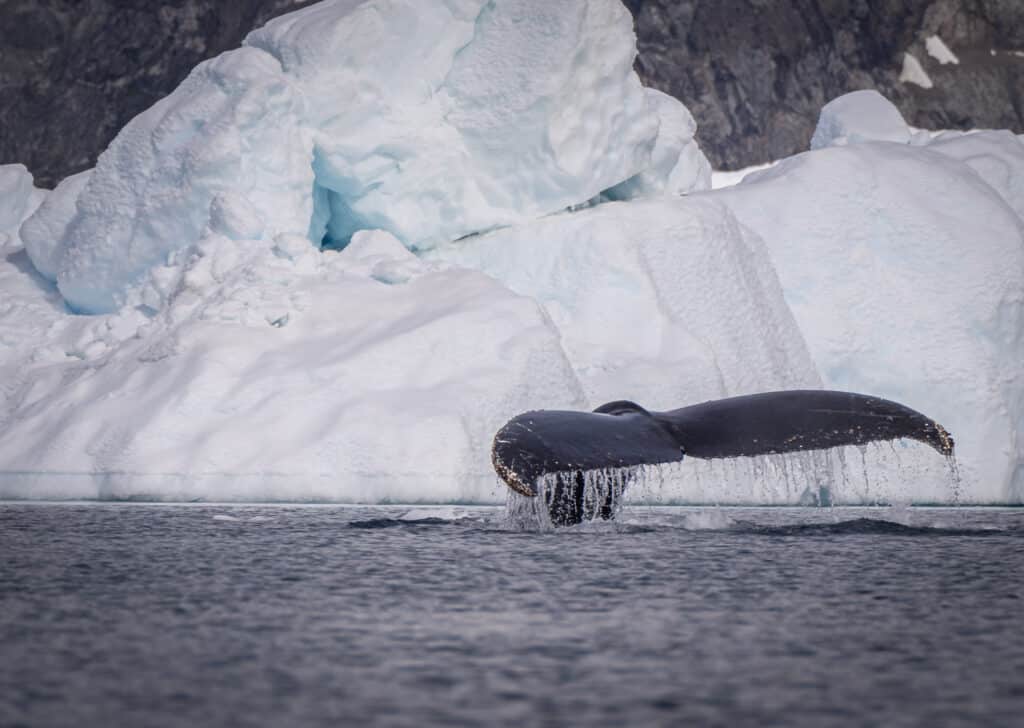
[622, 434]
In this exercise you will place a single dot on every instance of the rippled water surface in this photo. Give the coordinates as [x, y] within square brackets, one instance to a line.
[126, 614]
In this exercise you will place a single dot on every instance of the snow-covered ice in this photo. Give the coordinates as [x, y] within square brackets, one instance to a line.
[230, 126]
[857, 117]
[43, 231]
[428, 120]
[727, 178]
[509, 222]
[905, 272]
[670, 301]
[280, 372]
[677, 165]
[996, 156]
[19, 198]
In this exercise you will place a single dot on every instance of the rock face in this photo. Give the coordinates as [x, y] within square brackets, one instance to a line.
[754, 73]
[73, 74]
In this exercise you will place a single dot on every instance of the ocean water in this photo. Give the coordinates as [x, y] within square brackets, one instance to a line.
[163, 615]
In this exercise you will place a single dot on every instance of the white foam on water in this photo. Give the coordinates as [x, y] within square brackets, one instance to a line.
[236, 519]
[710, 519]
[443, 513]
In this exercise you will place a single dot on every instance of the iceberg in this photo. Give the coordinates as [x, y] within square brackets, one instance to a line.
[334, 261]
[277, 371]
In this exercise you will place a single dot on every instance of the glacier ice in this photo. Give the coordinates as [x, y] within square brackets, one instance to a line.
[43, 231]
[380, 255]
[19, 198]
[865, 116]
[672, 301]
[230, 127]
[905, 271]
[677, 166]
[859, 116]
[996, 156]
[234, 216]
[277, 372]
[428, 120]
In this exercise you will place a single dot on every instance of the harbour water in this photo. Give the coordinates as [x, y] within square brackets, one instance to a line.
[174, 615]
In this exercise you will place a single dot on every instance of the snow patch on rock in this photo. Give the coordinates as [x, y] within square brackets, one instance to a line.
[940, 51]
[912, 72]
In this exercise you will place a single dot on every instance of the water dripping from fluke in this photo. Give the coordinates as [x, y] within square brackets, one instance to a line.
[577, 464]
[816, 479]
[570, 498]
[956, 483]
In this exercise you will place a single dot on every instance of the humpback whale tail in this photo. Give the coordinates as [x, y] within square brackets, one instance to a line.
[621, 435]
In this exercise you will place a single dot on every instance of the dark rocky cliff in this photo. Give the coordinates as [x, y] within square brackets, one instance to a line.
[73, 72]
[754, 72]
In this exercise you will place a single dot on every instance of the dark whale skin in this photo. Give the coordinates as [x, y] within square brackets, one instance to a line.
[623, 434]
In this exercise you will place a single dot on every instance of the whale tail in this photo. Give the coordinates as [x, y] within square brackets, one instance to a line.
[779, 422]
[622, 435]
